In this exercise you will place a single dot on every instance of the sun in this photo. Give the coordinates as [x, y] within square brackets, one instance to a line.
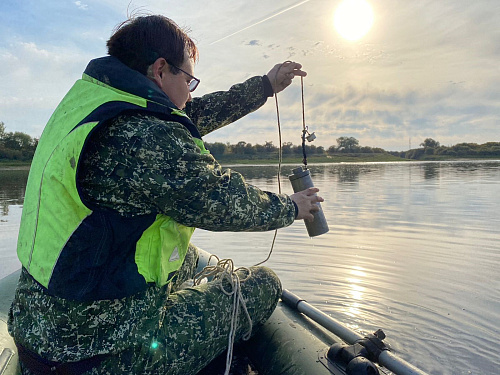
[353, 19]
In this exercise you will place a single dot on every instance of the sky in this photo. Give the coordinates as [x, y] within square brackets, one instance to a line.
[425, 69]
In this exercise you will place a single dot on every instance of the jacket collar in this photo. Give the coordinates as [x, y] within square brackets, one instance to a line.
[114, 73]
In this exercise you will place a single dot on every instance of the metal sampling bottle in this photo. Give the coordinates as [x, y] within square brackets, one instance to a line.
[301, 180]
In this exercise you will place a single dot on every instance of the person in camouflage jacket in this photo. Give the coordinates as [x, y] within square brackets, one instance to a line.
[140, 164]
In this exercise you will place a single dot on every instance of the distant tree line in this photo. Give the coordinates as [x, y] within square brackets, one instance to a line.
[20, 146]
[243, 149]
[350, 145]
[431, 148]
[16, 145]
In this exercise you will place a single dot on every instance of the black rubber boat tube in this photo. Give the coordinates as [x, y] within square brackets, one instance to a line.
[386, 358]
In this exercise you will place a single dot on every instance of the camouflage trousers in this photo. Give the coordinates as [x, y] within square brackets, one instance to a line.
[190, 328]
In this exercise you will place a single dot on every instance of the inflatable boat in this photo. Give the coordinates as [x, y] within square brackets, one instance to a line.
[298, 339]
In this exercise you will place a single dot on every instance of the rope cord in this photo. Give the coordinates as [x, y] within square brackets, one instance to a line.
[280, 158]
[280, 149]
[224, 271]
[304, 127]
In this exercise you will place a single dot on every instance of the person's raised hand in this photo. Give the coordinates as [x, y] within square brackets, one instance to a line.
[281, 75]
[306, 201]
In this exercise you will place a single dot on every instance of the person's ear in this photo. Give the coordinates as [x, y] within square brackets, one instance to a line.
[156, 71]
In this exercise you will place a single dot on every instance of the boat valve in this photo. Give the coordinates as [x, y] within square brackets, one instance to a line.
[357, 359]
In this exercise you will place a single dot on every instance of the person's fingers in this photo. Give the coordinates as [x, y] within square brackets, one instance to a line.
[307, 202]
[295, 68]
[292, 74]
[281, 75]
[291, 67]
[312, 190]
[309, 217]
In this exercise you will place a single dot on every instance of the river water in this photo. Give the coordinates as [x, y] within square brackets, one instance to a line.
[413, 249]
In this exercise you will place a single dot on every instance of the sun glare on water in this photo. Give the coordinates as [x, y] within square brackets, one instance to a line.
[353, 19]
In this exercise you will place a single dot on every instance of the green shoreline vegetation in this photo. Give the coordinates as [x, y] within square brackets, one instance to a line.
[17, 150]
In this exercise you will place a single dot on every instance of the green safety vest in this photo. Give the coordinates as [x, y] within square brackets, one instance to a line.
[53, 209]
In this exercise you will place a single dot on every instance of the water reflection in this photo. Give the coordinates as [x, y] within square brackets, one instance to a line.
[431, 171]
[263, 174]
[12, 188]
[356, 291]
[468, 167]
[12, 191]
[354, 310]
[349, 174]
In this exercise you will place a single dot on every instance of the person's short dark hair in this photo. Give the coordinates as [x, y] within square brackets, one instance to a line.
[139, 41]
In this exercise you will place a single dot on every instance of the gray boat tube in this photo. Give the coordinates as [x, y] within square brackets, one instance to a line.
[386, 358]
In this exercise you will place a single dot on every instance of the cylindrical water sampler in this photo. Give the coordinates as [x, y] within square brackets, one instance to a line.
[301, 180]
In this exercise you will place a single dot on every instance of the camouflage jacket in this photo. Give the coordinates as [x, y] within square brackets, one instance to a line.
[136, 165]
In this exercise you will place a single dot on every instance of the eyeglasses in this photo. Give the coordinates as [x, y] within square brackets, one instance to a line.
[193, 84]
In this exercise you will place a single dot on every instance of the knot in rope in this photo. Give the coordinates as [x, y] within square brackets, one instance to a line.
[225, 273]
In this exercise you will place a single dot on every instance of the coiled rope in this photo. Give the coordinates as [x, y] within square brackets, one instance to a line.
[224, 273]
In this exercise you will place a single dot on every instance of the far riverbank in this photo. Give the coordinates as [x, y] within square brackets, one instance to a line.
[265, 159]
[15, 165]
[344, 158]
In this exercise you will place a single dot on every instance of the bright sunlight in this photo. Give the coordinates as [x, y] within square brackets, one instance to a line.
[353, 19]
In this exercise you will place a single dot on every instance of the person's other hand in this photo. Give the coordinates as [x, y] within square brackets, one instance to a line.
[306, 201]
[281, 75]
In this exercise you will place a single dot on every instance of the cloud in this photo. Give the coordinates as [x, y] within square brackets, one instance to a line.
[391, 117]
[427, 68]
[34, 80]
[378, 117]
[253, 42]
[81, 6]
